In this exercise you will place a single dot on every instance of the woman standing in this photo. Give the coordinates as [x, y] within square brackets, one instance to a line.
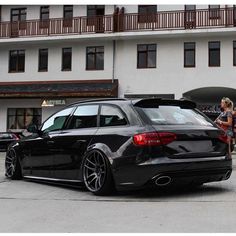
[225, 119]
[234, 124]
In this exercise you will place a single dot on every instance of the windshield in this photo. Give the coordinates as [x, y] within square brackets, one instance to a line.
[174, 115]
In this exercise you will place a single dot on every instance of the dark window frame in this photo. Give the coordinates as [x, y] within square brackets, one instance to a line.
[146, 58]
[234, 15]
[209, 53]
[35, 117]
[22, 23]
[93, 12]
[186, 50]
[188, 5]
[67, 21]
[63, 67]
[149, 15]
[95, 58]
[214, 12]
[234, 53]
[40, 69]
[190, 16]
[18, 57]
[95, 9]
[44, 23]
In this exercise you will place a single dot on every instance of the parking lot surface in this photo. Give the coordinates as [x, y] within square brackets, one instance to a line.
[35, 207]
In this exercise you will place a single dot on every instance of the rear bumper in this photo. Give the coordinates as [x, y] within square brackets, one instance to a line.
[141, 175]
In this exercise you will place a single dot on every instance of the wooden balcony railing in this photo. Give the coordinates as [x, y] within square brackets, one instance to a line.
[171, 20]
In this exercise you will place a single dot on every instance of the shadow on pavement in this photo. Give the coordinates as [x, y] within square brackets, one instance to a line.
[144, 194]
[174, 192]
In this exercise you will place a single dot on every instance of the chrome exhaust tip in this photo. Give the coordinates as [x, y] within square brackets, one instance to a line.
[163, 180]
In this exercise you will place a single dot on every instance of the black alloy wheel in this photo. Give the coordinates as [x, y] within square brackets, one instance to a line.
[12, 165]
[97, 173]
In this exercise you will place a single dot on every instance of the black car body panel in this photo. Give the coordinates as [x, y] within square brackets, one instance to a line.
[195, 155]
[6, 138]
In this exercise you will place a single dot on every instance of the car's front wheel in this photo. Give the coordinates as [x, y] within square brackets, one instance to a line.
[12, 165]
[97, 174]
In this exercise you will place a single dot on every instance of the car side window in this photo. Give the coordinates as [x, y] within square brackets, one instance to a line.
[56, 121]
[111, 116]
[84, 117]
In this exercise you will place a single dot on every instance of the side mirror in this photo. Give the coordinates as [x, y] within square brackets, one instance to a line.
[32, 128]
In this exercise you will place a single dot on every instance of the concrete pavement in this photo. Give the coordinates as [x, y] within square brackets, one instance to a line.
[39, 208]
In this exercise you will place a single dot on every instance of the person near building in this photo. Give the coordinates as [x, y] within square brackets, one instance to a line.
[225, 119]
[234, 124]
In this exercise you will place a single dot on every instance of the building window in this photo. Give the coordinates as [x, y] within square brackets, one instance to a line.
[66, 59]
[190, 16]
[147, 13]
[189, 54]
[214, 11]
[190, 7]
[146, 56]
[67, 16]
[93, 11]
[234, 53]
[21, 118]
[214, 53]
[19, 15]
[44, 17]
[17, 61]
[43, 60]
[234, 15]
[95, 58]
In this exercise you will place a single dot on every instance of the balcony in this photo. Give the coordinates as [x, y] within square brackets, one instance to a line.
[120, 22]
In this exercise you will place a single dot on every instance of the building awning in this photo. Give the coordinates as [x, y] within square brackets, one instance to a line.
[52, 89]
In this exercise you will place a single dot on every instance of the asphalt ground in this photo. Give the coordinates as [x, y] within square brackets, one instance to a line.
[29, 207]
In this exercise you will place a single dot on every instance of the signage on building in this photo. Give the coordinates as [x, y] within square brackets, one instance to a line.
[52, 103]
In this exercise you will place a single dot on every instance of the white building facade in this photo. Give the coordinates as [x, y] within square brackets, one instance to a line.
[55, 55]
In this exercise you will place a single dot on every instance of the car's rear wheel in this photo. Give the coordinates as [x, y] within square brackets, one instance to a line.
[97, 174]
[12, 165]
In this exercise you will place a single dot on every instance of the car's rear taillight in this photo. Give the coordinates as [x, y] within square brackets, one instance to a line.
[154, 138]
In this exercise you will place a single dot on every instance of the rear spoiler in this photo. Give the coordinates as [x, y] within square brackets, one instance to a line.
[156, 102]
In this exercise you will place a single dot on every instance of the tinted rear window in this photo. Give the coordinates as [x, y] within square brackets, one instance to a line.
[174, 115]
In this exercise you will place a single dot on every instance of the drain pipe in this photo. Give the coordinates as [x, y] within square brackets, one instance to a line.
[113, 60]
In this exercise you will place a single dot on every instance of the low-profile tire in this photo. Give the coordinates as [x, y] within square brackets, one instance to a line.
[97, 175]
[12, 165]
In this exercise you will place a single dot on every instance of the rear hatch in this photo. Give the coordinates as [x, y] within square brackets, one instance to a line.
[188, 132]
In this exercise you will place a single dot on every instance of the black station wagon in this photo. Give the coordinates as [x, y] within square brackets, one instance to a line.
[121, 144]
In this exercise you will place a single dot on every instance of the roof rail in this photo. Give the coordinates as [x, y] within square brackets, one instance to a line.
[98, 100]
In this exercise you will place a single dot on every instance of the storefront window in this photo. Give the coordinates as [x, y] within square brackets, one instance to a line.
[21, 118]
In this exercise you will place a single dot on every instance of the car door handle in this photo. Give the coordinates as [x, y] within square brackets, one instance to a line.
[50, 142]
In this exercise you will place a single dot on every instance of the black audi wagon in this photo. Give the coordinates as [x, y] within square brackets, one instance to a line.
[121, 144]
